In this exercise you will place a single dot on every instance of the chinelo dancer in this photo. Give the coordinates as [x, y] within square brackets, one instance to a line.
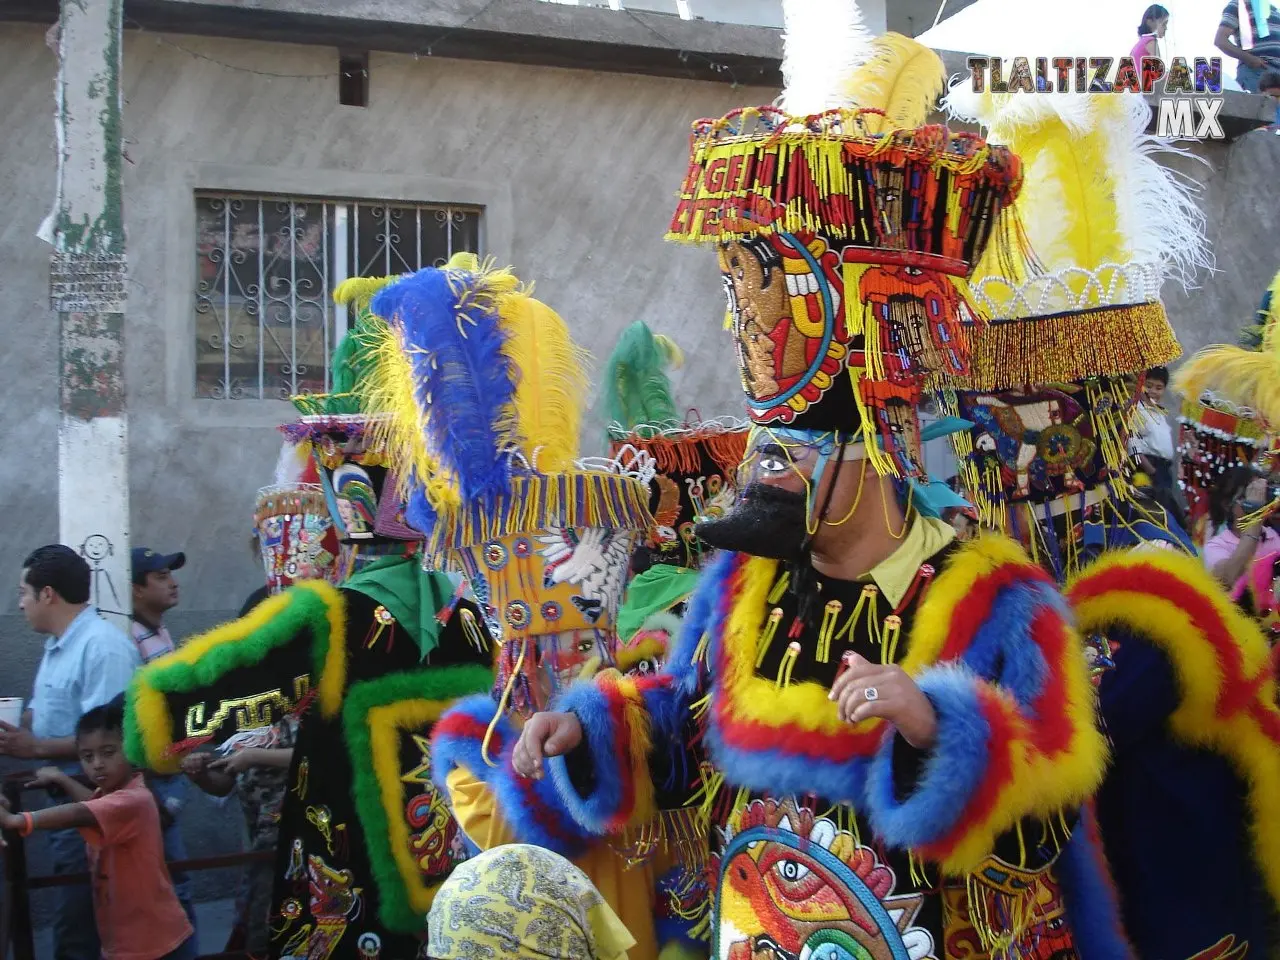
[324, 695]
[1186, 689]
[886, 733]
[486, 416]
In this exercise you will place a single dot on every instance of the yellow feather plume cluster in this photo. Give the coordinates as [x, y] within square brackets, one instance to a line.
[1243, 377]
[388, 393]
[900, 76]
[551, 388]
[358, 291]
[1067, 201]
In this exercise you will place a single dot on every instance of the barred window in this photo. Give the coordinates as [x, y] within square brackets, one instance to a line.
[266, 268]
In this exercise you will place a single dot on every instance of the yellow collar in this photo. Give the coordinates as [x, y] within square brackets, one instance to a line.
[893, 575]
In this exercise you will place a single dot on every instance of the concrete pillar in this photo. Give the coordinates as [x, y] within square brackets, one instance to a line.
[87, 289]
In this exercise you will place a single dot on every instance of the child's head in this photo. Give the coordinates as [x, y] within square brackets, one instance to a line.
[100, 743]
[1154, 384]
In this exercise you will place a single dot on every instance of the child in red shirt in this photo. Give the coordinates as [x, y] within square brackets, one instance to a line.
[138, 914]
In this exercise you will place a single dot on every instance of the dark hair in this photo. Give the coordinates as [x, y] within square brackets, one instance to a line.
[1154, 12]
[61, 568]
[108, 718]
[1229, 486]
[1269, 80]
[1159, 373]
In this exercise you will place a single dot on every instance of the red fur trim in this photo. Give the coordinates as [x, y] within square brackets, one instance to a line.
[1005, 730]
[972, 612]
[617, 704]
[1052, 734]
[1236, 692]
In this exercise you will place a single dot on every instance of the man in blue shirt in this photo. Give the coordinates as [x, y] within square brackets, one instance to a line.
[87, 662]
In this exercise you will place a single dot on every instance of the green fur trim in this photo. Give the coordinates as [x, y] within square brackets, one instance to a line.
[437, 684]
[275, 623]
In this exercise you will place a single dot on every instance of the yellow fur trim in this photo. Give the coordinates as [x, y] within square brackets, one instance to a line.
[385, 724]
[1040, 786]
[1197, 721]
[759, 699]
[149, 705]
[332, 683]
[636, 718]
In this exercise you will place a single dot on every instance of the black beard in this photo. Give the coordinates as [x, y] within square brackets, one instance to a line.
[765, 522]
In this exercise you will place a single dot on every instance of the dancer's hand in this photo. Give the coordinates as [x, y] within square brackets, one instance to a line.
[869, 689]
[545, 735]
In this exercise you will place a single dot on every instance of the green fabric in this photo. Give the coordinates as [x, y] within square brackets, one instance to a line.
[413, 595]
[656, 590]
[439, 684]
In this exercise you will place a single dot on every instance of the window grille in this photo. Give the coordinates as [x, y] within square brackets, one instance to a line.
[266, 268]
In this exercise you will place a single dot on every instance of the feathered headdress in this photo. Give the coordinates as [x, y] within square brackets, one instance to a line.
[482, 389]
[1108, 224]
[846, 227]
[696, 460]
[637, 390]
[1245, 377]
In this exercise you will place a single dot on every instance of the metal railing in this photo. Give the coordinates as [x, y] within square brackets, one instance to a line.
[16, 930]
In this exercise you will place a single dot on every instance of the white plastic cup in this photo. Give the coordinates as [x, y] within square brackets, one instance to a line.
[11, 710]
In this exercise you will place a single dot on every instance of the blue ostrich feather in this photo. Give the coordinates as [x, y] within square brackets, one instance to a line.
[461, 374]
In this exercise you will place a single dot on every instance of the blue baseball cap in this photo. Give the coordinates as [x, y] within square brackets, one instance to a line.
[146, 560]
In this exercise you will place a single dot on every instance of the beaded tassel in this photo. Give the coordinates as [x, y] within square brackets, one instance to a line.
[869, 592]
[471, 630]
[830, 616]
[766, 636]
[892, 627]
[788, 663]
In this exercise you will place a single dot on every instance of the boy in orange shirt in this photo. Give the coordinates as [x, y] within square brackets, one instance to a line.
[138, 914]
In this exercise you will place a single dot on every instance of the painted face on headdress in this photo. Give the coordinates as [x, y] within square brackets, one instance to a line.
[296, 538]
[812, 359]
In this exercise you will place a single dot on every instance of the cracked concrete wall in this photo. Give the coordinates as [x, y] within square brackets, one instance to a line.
[582, 168]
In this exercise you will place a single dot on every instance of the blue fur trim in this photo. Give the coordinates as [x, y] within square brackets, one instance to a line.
[703, 613]
[1093, 908]
[782, 772]
[953, 771]
[1003, 650]
[545, 821]
[599, 726]
[455, 346]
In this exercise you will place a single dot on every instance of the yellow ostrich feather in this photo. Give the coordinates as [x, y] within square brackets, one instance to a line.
[902, 77]
[551, 388]
[358, 291]
[386, 392]
[1066, 200]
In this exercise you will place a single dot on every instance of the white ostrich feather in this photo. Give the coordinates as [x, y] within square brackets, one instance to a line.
[824, 42]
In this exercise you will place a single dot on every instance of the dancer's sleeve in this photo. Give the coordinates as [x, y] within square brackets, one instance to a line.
[1016, 738]
[250, 671]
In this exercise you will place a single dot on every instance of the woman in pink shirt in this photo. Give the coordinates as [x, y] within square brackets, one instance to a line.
[1154, 23]
[1229, 554]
